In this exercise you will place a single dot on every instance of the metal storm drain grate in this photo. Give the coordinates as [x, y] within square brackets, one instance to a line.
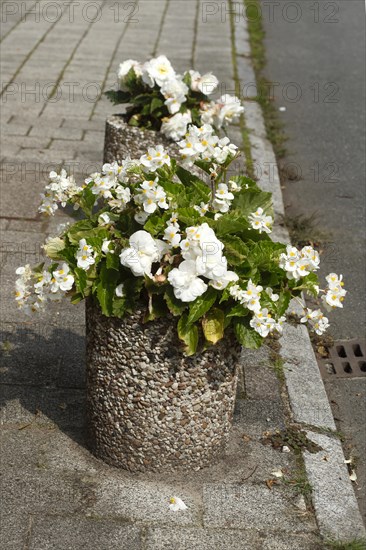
[347, 359]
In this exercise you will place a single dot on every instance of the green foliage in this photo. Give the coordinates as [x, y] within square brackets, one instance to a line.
[188, 333]
[201, 305]
[246, 335]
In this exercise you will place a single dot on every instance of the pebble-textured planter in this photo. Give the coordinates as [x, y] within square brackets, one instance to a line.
[148, 405]
[122, 140]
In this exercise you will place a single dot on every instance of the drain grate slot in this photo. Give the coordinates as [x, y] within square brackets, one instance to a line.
[347, 359]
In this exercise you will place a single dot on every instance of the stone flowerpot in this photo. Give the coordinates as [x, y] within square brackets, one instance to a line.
[122, 140]
[149, 407]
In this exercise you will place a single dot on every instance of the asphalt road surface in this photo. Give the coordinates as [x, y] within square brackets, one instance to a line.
[316, 60]
[317, 64]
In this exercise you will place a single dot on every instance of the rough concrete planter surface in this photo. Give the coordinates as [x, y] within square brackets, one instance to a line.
[149, 406]
[122, 140]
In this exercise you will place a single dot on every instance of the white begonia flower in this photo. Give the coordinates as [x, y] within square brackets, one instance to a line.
[206, 84]
[297, 263]
[274, 297]
[173, 220]
[123, 71]
[142, 253]
[119, 291]
[175, 127]
[176, 504]
[104, 219]
[259, 221]
[335, 293]
[222, 282]
[154, 158]
[172, 235]
[105, 247]
[202, 208]
[230, 110]
[175, 92]
[85, 255]
[316, 319]
[157, 71]
[223, 198]
[141, 217]
[63, 278]
[263, 323]
[25, 272]
[102, 186]
[150, 196]
[234, 186]
[186, 285]
[217, 216]
[60, 189]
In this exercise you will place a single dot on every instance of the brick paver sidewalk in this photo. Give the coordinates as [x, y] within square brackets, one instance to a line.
[56, 58]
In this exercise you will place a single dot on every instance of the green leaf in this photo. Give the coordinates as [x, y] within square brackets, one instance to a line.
[118, 307]
[87, 201]
[80, 280]
[202, 304]
[235, 250]
[156, 104]
[155, 224]
[118, 97]
[175, 306]
[213, 325]
[113, 262]
[188, 333]
[250, 200]
[247, 335]
[189, 215]
[237, 311]
[283, 302]
[108, 281]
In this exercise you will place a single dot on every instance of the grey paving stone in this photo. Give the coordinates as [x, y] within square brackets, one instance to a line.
[261, 381]
[14, 528]
[61, 362]
[334, 500]
[70, 134]
[88, 534]
[259, 415]
[44, 406]
[145, 502]
[14, 129]
[253, 506]
[288, 542]
[202, 539]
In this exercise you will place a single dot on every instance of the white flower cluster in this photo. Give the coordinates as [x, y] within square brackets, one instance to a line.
[171, 233]
[60, 189]
[334, 293]
[33, 290]
[258, 220]
[222, 112]
[223, 198]
[110, 179]
[299, 263]
[151, 195]
[202, 144]
[85, 255]
[160, 72]
[142, 253]
[262, 321]
[203, 257]
[316, 319]
[264, 324]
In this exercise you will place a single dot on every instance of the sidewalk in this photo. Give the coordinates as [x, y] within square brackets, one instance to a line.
[56, 495]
